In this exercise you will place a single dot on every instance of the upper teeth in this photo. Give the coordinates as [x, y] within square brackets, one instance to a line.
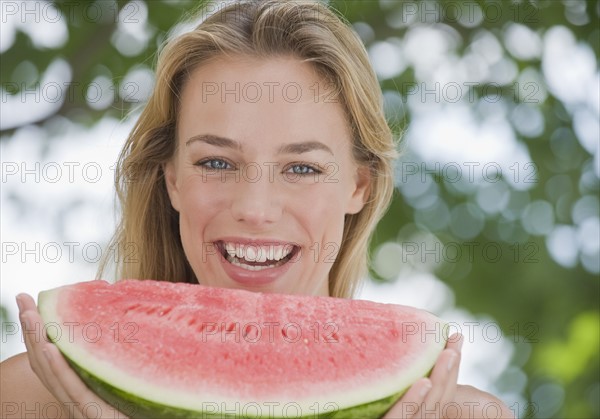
[256, 253]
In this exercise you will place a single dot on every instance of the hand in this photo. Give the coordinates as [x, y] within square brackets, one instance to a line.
[54, 372]
[434, 396]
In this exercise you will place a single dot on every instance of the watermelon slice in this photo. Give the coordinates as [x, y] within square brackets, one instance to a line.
[164, 350]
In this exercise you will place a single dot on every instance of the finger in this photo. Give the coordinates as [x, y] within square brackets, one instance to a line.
[447, 400]
[32, 328]
[30, 321]
[57, 387]
[25, 302]
[455, 342]
[36, 354]
[35, 340]
[85, 402]
[450, 392]
[441, 383]
[444, 377]
[33, 335]
[32, 343]
[408, 406]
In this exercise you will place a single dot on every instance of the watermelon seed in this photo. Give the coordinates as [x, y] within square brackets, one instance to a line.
[165, 311]
[131, 308]
[250, 333]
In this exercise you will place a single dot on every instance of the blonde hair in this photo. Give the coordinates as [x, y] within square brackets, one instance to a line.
[306, 30]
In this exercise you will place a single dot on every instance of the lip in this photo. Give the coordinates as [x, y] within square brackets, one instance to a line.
[257, 278]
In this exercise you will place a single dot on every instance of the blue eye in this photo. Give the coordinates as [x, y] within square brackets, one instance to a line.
[214, 164]
[303, 169]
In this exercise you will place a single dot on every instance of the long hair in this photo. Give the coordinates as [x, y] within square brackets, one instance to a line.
[306, 30]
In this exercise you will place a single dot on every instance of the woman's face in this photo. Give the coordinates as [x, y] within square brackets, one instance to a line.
[263, 175]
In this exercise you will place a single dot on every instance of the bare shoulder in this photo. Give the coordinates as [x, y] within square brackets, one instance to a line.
[22, 394]
[475, 403]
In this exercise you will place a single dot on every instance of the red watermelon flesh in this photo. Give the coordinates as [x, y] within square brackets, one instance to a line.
[181, 346]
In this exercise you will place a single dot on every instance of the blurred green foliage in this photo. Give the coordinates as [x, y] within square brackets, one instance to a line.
[533, 298]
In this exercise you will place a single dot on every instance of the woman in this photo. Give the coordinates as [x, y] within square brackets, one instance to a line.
[262, 161]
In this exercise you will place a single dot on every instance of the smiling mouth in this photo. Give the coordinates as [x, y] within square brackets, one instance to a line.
[254, 257]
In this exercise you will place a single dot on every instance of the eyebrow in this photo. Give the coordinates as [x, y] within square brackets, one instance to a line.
[215, 140]
[291, 148]
[303, 147]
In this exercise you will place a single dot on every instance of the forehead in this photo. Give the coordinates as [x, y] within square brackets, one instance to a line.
[248, 97]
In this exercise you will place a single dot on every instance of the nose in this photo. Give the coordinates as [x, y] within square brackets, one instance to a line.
[256, 202]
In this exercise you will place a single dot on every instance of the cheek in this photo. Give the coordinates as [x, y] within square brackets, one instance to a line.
[323, 214]
[325, 230]
[200, 206]
[200, 202]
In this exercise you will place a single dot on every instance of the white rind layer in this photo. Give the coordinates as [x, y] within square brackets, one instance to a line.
[395, 382]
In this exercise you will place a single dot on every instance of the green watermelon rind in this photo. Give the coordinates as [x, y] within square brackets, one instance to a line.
[136, 407]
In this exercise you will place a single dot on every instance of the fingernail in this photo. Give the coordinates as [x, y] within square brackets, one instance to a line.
[19, 303]
[425, 389]
[460, 344]
[47, 354]
[451, 361]
[26, 323]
